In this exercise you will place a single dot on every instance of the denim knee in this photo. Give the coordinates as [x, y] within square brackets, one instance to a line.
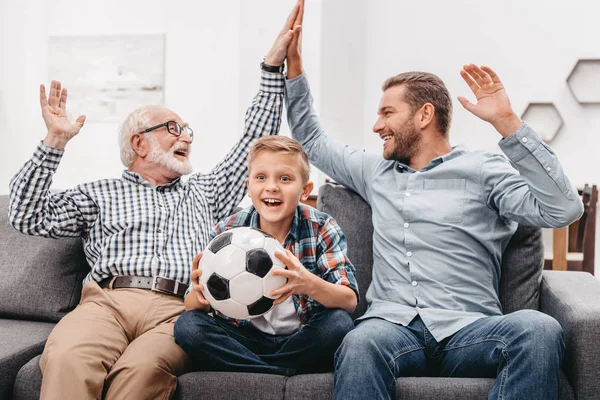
[541, 329]
[187, 332]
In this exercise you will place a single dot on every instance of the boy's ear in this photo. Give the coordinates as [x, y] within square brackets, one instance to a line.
[308, 187]
[248, 191]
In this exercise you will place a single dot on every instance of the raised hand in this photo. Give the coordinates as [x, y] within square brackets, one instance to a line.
[276, 56]
[299, 279]
[197, 287]
[492, 104]
[294, 51]
[60, 130]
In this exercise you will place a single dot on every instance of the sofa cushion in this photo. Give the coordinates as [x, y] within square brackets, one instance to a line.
[229, 385]
[40, 278]
[20, 342]
[320, 387]
[521, 264]
[353, 215]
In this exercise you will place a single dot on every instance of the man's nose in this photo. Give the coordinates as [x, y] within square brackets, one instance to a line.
[379, 125]
[185, 136]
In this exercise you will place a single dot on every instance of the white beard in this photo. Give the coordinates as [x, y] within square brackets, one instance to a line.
[167, 159]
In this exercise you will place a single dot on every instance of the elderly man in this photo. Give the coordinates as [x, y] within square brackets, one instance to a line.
[442, 217]
[140, 234]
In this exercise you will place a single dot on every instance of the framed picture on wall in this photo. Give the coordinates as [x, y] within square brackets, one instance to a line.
[109, 76]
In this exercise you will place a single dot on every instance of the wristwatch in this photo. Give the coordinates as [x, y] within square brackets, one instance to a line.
[271, 68]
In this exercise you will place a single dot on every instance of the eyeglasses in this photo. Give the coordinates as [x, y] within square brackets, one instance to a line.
[174, 129]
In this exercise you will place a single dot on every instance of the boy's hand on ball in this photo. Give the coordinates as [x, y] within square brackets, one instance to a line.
[299, 279]
[195, 276]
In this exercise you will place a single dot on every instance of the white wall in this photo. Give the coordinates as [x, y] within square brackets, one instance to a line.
[213, 49]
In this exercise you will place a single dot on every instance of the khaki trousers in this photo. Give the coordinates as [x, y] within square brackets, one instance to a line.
[117, 344]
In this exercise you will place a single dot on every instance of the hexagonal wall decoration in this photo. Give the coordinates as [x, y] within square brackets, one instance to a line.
[544, 118]
[584, 81]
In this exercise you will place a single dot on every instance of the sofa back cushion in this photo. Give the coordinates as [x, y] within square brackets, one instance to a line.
[40, 279]
[521, 264]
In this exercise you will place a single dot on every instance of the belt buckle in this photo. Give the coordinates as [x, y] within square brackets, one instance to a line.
[155, 287]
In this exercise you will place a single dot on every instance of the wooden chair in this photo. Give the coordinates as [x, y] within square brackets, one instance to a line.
[573, 247]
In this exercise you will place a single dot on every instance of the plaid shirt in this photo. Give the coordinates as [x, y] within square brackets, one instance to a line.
[316, 240]
[130, 227]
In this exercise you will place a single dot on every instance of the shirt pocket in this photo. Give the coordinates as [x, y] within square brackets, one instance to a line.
[447, 199]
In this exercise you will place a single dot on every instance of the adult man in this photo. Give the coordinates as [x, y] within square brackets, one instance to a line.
[140, 232]
[442, 217]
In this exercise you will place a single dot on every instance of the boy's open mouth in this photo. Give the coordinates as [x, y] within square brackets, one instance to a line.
[272, 202]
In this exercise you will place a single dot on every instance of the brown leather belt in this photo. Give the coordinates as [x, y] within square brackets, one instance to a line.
[156, 284]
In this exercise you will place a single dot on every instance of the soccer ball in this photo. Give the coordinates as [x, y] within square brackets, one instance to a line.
[236, 272]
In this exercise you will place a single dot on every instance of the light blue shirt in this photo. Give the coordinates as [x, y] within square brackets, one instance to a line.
[439, 233]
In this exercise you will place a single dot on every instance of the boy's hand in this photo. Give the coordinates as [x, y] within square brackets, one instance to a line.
[299, 279]
[197, 287]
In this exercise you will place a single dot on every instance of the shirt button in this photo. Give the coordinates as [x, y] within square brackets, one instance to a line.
[548, 168]
[524, 140]
[418, 308]
[406, 224]
[414, 283]
[407, 194]
[409, 254]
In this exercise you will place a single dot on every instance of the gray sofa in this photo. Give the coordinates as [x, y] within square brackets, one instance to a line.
[40, 280]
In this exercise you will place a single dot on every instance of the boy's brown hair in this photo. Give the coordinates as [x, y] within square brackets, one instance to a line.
[280, 144]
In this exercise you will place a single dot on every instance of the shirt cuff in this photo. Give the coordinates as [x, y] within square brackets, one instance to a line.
[272, 82]
[521, 143]
[47, 157]
[297, 87]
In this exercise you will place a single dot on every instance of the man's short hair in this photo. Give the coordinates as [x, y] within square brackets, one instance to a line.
[280, 144]
[423, 88]
[134, 123]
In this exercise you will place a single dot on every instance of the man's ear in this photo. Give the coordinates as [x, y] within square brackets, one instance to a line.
[426, 115]
[140, 146]
[308, 188]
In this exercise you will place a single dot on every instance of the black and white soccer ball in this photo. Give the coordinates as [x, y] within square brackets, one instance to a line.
[236, 272]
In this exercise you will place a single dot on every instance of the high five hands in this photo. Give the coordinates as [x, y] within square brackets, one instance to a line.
[492, 104]
[60, 129]
[290, 32]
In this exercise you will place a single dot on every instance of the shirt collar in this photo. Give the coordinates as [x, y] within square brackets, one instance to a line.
[137, 179]
[255, 219]
[457, 151]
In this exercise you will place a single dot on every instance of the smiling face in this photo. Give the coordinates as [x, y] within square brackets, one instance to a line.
[167, 151]
[397, 127]
[276, 183]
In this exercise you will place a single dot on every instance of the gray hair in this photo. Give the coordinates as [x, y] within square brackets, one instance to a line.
[134, 123]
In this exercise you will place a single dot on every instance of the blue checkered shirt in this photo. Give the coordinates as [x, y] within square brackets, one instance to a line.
[316, 240]
[130, 227]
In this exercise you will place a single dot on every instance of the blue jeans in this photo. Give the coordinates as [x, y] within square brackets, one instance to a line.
[216, 345]
[522, 350]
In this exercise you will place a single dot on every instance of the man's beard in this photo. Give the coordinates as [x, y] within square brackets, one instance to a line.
[407, 142]
[167, 159]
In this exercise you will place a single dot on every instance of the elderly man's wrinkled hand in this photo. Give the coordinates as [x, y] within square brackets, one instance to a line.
[60, 129]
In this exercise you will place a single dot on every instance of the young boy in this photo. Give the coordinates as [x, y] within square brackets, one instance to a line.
[308, 322]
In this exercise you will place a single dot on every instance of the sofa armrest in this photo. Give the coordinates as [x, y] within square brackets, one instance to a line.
[573, 299]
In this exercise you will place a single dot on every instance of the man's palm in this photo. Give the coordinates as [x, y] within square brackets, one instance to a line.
[55, 115]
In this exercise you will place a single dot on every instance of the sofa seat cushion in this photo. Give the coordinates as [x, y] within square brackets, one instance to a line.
[21, 341]
[229, 385]
[320, 387]
[242, 386]
[54, 267]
